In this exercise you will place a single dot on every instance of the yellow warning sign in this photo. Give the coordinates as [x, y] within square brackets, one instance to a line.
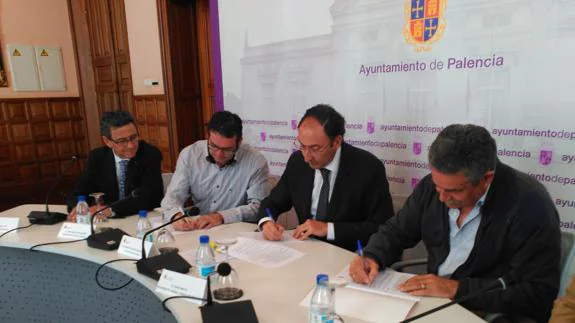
[44, 53]
[16, 53]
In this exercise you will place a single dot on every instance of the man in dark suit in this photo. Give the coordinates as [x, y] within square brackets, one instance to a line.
[124, 164]
[340, 192]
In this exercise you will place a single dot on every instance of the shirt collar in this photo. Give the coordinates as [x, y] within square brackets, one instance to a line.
[481, 201]
[334, 164]
[117, 158]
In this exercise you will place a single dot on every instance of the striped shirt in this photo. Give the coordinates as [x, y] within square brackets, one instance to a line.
[235, 191]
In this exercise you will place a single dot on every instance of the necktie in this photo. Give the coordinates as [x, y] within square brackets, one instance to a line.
[122, 178]
[321, 213]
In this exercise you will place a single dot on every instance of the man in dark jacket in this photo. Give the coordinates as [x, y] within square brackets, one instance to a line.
[123, 165]
[340, 193]
[480, 220]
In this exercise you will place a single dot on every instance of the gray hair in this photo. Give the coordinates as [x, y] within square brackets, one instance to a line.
[464, 148]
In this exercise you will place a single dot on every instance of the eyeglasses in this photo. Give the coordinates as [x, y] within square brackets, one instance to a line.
[312, 149]
[123, 142]
[226, 151]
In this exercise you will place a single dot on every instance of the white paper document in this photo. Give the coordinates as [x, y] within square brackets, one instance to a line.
[287, 236]
[385, 283]
[368, 307]
[263, 253]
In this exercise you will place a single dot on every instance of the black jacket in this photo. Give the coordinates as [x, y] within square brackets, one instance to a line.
[359, 203]
[144, 173]
[518, 237]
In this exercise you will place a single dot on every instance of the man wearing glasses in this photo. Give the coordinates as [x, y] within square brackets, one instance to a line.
[124, 164]
[224, 178]
[340, 192]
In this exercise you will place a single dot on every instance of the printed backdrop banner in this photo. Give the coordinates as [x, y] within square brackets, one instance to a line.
[400, 71]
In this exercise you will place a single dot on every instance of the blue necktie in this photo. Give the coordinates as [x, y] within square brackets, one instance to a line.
[122, 178]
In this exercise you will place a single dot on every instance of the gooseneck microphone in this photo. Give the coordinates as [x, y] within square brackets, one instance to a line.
[500, 284]
[153, 266]
[47, 217]
[108, 239]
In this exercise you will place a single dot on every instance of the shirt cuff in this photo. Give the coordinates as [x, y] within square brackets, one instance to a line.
[330, 231]
[262, 221]
[230, 216]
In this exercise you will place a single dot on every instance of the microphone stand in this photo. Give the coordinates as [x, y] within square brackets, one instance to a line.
[153, 266]
[108, 239]
[47, 217]
[499, 285]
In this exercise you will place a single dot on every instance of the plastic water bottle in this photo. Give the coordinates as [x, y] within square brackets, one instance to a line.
[322, 302]
[144, 226]
[82, 210]
[205, 258]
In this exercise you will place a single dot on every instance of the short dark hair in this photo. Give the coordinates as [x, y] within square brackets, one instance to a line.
[114, 119]
[332, 121]
[226, 124]
[464, 148]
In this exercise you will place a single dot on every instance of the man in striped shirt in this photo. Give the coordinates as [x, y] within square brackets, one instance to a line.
[225, 178]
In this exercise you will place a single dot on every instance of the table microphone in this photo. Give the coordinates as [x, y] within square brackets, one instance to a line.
[500, 284]
[47, 217]
[238, 312]
[108, 239]
[153, 266]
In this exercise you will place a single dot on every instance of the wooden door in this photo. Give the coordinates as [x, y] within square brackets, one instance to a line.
[110, 55]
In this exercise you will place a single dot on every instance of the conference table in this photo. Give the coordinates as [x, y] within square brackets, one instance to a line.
[55, 283]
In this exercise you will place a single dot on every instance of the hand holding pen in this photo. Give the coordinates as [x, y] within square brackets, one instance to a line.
[363, 269]
[270, 229]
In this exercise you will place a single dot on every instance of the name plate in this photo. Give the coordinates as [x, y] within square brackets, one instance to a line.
[132, 247]
[172, 283]
[71, 230]
[8, 224]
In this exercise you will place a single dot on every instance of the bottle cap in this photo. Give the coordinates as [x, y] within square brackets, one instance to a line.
[204, 239]
[143, 213]
[81, 198]
[321, 278]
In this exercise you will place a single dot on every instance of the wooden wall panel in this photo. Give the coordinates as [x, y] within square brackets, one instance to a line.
[151, 114]
[38, 137]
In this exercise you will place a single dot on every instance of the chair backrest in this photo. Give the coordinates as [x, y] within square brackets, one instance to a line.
[166, 179]
[567, 260]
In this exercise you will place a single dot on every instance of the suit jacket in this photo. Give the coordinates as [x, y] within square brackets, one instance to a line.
[143, 173]
[518, 239]
[359, 203]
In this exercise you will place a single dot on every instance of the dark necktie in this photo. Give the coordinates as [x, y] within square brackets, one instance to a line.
[122, 179]
[321, 213]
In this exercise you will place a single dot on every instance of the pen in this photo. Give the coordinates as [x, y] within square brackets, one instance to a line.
[360, 252]
[269, 213]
